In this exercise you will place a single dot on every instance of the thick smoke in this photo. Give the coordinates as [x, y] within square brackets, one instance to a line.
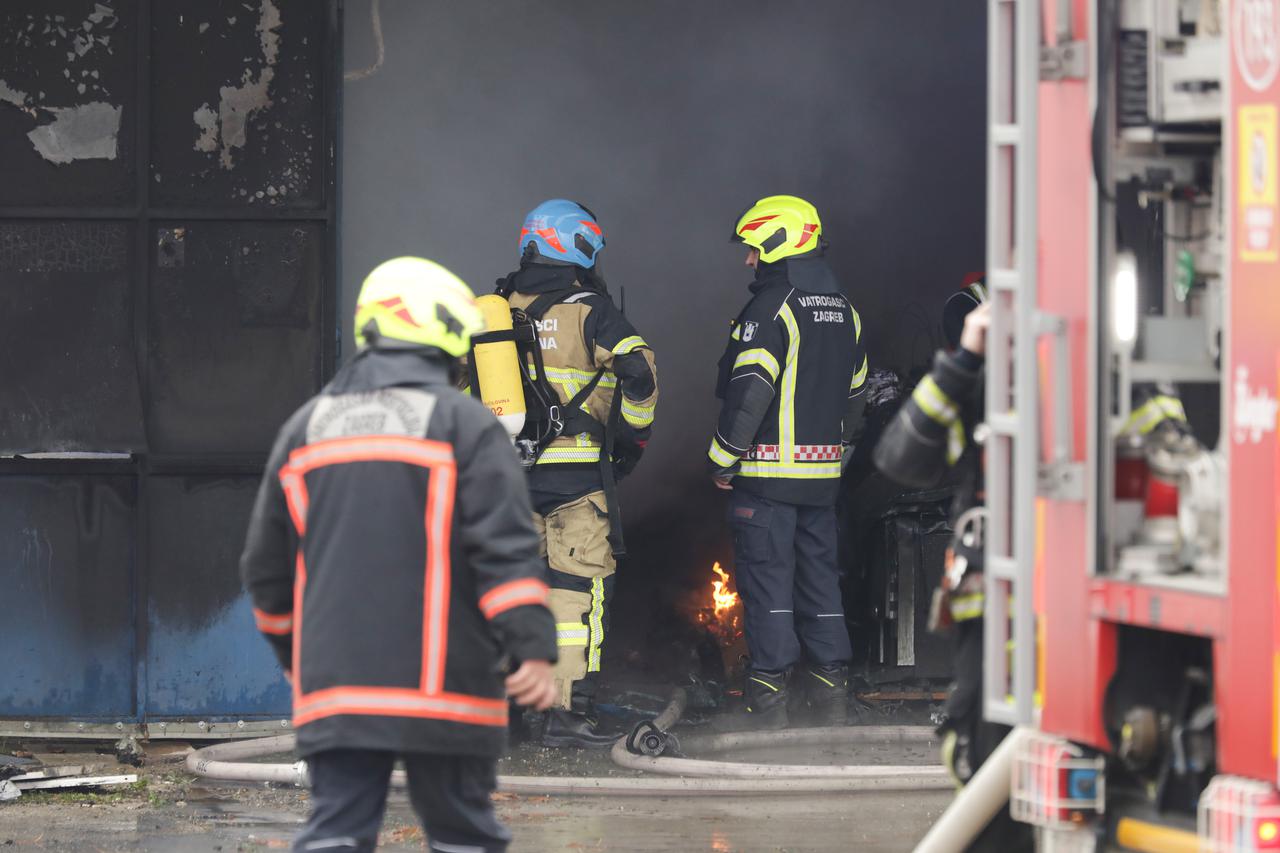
[667, 118]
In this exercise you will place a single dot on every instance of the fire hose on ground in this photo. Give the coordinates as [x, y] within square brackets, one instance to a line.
[654, 749]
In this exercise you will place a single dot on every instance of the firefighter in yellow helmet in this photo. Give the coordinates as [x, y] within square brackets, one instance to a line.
[393, 568]
[791, 379]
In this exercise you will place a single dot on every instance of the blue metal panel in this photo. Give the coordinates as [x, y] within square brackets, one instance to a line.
[66, 564]
[204, 656]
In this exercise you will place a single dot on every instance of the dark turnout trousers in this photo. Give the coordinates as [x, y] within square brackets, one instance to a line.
[450, 794]
[789, 578]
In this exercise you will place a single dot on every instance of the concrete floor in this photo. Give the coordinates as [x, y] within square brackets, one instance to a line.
[227, 819]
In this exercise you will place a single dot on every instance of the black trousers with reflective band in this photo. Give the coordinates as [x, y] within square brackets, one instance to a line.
[450, 794]
[789, 577]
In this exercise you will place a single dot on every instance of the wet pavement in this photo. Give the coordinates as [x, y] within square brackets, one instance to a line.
[169, 811]
[246, 820]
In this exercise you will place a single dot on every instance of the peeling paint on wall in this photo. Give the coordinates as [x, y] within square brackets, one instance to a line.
[227, 128]
[87, 131]
[10, 95]
[84, 132]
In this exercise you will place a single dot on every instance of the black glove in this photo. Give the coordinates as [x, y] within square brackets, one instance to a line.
[625, 458]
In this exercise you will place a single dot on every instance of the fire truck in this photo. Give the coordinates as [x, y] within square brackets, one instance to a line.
[1133, 243]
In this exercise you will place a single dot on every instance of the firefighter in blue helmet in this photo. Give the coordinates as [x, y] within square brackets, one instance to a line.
[599, 375]
[791, 379]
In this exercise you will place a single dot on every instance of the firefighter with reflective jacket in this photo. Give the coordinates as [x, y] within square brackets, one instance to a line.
[393, 566]
[601, 379]
[931, 435]
[791, 381]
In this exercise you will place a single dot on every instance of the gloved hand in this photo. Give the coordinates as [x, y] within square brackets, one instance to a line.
[626, 456]
[723, 477]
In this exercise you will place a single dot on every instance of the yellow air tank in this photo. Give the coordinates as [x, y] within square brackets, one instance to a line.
[498, 367]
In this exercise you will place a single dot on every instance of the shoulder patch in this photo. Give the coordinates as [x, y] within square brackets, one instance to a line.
[749, 328]
[387, 411]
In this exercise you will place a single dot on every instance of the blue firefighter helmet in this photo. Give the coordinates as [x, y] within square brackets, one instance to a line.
[561, 231]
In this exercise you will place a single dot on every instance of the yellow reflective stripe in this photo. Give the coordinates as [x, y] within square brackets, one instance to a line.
[572, 634]
[860, 376]
[792, 470]
[857, 325]
[765, 683]
[934, 402]
[556, 455]
[595, 622]
[759, 356]
[966, 606]
[629, 344]
[1154, 412]
[1172, 407]
[736, 334]
[566, 375]
[787, 400]
[635, 414]
[720, 455]
[956, 442]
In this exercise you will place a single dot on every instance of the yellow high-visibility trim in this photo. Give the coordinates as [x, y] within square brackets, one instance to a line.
[569, 634]
[636, 415]
[792, 470]
[787, 400]
[956, 441]
[573, 376]
[965, 607]
[934, 402]
[629, 344]
[1155, 412]
[857, 325]
[719, 455]
[759, 356]
[765, 683]
[556, 455]
[736, 334]
[859, 377]
[595, 622]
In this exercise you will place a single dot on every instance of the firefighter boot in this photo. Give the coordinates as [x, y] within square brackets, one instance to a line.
[767, 699]
[574, 727]
[827, 690]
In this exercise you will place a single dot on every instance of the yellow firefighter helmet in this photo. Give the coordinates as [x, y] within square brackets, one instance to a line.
[780, 226]
[412, 302]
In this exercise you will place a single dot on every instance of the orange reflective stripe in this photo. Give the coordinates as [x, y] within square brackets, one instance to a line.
[295, 494]
[396, 702]
[279, 624]
[438, 520]
[299, 589]
[505, 596]
[375, 448]
[435, 603]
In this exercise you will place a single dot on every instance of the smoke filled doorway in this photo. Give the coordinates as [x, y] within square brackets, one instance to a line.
[667, 118]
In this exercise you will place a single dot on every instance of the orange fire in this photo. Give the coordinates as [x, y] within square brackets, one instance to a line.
[723, 614]
[722, 599]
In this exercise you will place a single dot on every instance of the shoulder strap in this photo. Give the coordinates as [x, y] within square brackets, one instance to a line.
[542, 304]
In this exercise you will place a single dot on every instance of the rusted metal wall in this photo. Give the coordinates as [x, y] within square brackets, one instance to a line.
[167, 298]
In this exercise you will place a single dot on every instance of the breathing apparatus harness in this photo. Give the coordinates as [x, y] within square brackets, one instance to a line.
[546, 417]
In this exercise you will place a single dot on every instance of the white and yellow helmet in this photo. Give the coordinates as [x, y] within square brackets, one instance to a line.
[412, 302]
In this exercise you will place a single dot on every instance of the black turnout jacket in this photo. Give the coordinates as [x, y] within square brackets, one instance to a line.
[792, 379]
[393, 565]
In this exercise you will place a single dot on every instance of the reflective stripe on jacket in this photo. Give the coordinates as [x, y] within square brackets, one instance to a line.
[791, 378]
[392, 563]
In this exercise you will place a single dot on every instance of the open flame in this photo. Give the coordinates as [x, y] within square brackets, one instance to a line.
[722, 599]
[723, 614]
